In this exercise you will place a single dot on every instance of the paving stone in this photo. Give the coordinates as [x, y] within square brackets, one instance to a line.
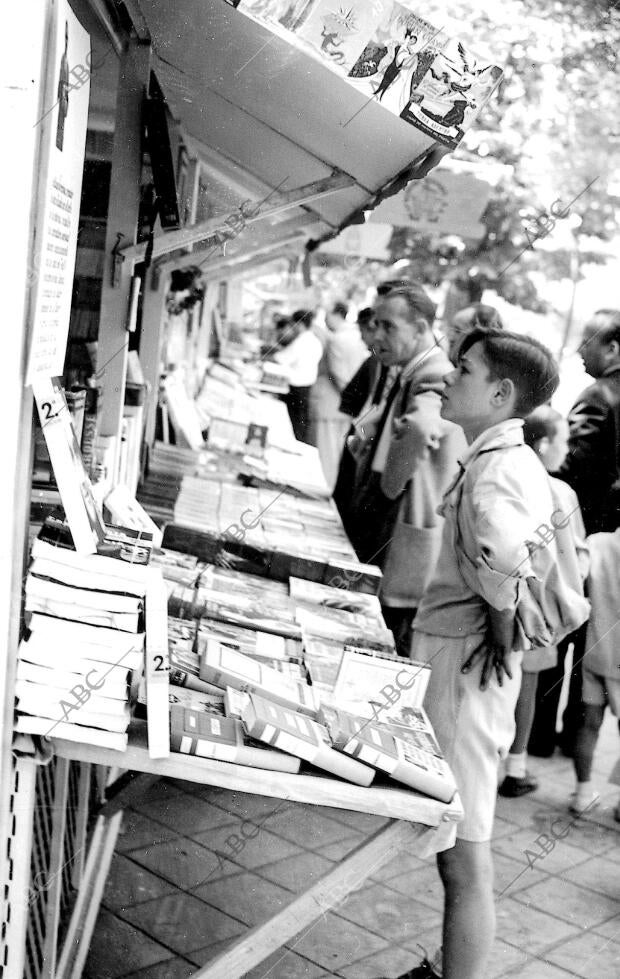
[423, 882]
[259, 849]
[187, 815]
[182, 922]
[563, 856]
[308, 828]
[341, 848]
[576, 905]
[171, 969]
[245, 896]
[333, 942]
[391, 963]
[387, 914]
[536, 969]
[247, 806]
[116, 949]
[129, 883]
[297, 873]
[184, 862]
[599, 874]
[138, 831]
[512, 876]
[588, 955]
[609, 928]
[503, 957]
[528, 927]
[285, 964]
[399, 864]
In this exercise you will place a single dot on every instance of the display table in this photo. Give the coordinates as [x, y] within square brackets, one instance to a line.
[415, 822]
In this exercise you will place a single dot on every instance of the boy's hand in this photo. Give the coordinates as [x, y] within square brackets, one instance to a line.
[494, 650]
[493, 658]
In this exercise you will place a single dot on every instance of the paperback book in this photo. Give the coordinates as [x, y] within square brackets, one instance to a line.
[301, 736]
[194, 732]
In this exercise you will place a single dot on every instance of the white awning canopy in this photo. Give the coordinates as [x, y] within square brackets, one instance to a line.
[264, 114]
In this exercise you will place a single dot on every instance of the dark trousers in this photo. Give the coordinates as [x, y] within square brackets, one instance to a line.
[298, 404]
[399, 621]
[543, 737]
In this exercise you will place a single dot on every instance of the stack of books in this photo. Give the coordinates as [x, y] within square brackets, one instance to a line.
[86, 634]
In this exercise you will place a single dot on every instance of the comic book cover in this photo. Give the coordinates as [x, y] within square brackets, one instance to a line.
[447, 99]
[397, 57]
[338, 30]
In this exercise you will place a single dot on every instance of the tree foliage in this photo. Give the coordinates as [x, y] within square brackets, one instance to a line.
[554, 121]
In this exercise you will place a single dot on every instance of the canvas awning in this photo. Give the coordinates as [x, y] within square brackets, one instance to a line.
[263, 113]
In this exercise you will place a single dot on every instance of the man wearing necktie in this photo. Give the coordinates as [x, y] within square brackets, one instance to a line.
[410, 458]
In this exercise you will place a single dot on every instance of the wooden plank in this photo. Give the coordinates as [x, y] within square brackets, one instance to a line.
[122, 220]
[81, 824]
[54, 871]
[302, 914]
[82, 923]
[394, 803]
[284, 201]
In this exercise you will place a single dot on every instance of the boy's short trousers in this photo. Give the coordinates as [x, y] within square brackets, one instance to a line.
[601, 691]
[540, 658]
[475, 728]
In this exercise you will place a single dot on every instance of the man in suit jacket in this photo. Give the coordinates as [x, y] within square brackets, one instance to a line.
[592, 466]
[410, 460]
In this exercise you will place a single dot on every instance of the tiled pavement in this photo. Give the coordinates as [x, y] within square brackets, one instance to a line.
[171, 904]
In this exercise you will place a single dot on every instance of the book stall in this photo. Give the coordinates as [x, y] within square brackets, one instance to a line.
[190, 610]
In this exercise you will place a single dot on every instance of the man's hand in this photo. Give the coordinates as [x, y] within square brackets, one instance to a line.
[494, 650]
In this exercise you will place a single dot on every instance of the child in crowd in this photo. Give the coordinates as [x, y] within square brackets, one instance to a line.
[546, 432]
[477, 316]
[477, 613]
[601, 662]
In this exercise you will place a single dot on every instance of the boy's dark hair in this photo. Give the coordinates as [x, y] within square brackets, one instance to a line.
[418, 301]
[541, 423]
[303, 316]
[526, 362]
[607, 322]
[339, 309]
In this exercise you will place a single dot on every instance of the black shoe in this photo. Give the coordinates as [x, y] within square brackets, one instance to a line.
[512, 788]
[422, 971]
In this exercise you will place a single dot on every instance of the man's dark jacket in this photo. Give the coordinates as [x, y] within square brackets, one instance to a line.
[592, 466]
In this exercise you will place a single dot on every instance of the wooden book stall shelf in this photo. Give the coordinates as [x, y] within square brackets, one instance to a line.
[415, 822]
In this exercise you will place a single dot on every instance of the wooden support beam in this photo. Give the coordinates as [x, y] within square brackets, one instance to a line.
[281, 201]
[304, 912]
[156, 286]
[122, 220]
[55, 869]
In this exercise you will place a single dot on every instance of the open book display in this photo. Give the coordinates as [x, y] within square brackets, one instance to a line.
[275, 535]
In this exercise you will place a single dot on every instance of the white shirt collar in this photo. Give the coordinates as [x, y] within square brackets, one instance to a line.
[506, 433]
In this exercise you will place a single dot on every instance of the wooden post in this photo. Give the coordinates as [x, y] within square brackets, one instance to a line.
[55, 869]
[153, 305]
[122, 220]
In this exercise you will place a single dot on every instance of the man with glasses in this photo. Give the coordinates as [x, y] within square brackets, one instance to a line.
[410, 457]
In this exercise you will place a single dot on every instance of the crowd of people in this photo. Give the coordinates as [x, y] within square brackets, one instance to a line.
[496, 523]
